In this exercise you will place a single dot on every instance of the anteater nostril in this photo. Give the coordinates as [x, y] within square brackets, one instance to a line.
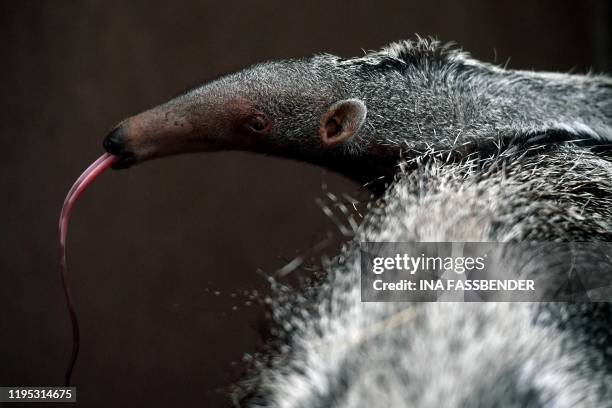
[113, 142]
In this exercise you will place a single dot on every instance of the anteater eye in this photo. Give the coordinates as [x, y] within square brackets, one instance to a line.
[258, 123]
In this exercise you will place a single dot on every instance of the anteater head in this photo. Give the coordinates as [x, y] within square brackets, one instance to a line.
[296, 108]
[358, 116]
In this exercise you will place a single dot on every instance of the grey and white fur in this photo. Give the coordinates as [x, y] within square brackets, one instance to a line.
[409, 98]
[476, 152]
[334, 350]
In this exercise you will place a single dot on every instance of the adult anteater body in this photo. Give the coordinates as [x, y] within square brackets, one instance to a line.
[332, 349]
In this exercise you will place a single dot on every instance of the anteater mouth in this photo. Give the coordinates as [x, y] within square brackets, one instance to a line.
[114, 143]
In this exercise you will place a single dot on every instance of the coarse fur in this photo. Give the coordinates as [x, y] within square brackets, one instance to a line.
[416, 96]
[420, 96]
[332, 349]
[477, 152]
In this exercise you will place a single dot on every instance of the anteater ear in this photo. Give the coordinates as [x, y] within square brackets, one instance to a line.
[341, 121]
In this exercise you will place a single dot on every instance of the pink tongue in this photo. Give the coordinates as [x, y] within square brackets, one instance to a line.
[88, 177]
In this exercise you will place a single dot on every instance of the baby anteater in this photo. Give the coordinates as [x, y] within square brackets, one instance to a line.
[358, 116]
[478, 153]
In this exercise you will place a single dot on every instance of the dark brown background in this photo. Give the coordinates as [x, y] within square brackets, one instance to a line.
[149, 247]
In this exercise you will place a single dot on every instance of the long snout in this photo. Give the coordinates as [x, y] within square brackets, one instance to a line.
[168, 129]
[209, 118]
